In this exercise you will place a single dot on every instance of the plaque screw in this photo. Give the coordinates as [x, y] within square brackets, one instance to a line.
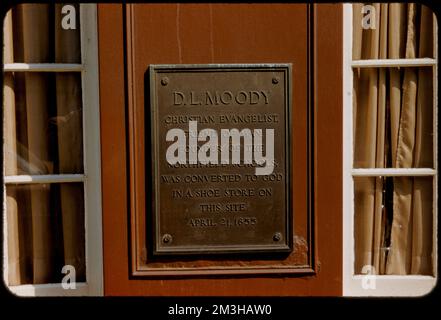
[164, 81]
[167, 238]
[275, 80]
[277, 236]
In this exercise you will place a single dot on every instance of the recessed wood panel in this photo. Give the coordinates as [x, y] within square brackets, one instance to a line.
[229, 34]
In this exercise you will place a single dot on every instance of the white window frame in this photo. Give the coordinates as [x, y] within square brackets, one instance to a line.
[385, 285]
[92, 165]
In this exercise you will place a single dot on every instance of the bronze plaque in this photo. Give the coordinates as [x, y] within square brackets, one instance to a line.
[221, 178]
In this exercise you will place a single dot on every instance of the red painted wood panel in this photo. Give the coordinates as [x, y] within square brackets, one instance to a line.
[217, 33]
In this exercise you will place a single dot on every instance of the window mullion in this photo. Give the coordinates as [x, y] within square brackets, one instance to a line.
[49, 178]
[43, 67]
[91, 148]
[393, 172]
[389, 63]
[435, 149]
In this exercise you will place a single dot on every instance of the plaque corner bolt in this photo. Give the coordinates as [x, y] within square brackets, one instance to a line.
[275, 80]
[277, 236]
[164, 81]
[167, 238]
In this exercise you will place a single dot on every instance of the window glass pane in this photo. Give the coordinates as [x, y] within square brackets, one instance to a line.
[45, 232]
[392, 31]
[46, 33]
[43, 134]
[393, 117]
[393, 225]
